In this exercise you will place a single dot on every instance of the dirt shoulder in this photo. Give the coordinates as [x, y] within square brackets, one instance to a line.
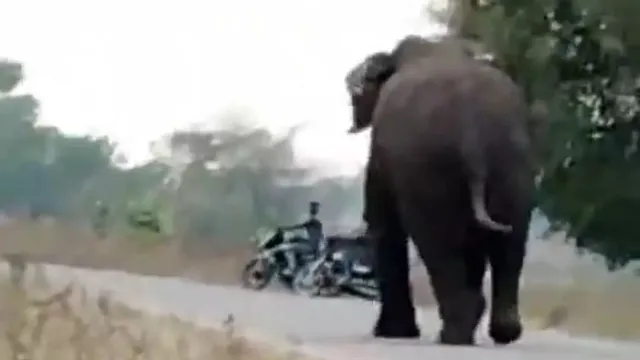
[55, 244]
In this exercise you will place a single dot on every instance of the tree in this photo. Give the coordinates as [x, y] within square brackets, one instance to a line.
[41, 169]
[231, 180]
[579, 58]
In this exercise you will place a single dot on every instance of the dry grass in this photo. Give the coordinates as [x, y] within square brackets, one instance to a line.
[576, 293]
[41, 323]
[609, 310]
[588, 308]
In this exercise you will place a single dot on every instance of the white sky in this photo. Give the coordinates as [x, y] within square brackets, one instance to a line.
[137, 69]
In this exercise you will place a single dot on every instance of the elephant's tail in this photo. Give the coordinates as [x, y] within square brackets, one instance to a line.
[480, 209]
[474, 154]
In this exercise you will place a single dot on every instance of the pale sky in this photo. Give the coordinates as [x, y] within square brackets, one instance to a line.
[137, 69]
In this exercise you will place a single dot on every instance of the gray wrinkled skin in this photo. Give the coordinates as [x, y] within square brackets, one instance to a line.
[450, 166]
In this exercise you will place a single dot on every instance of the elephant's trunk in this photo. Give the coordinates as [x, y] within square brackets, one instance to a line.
[480, 209]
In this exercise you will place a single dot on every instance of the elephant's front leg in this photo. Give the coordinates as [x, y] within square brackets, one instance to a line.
[397, 312]
[397, 318]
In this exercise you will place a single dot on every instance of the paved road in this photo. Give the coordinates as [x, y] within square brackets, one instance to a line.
[334, 329]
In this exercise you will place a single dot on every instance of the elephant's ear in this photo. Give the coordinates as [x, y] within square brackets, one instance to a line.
[364, 83]
[380, 68]
[372, 72]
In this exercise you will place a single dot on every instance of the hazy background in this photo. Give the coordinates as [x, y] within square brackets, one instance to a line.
[139, 71]
[134, 70]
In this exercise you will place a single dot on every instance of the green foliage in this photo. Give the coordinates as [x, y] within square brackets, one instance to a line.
[580, 59]
[218, 185]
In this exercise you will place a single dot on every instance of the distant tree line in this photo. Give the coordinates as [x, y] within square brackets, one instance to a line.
[218, 185]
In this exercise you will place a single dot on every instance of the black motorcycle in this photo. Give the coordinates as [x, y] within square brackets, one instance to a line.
[274, 256]
[343, 267]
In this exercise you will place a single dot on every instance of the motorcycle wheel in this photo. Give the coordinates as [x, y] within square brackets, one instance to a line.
[312, 280]
[257, 274]
[327, 282]
[303, 282]
[331, 290]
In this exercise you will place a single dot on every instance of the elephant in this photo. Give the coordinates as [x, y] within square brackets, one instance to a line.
[451, 167]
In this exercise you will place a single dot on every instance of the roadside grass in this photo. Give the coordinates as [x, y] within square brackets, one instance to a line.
[38, 322]
[587, 307]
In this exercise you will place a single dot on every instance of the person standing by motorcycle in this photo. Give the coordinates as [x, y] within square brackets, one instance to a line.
[313, 227]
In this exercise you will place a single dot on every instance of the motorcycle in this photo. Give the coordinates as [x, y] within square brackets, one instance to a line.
[277, 253]
[337, 271]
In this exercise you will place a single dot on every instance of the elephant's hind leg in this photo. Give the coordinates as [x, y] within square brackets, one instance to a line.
[396, 318]
[461, 303]
[476, 267]
[442, 234]
[506, 254]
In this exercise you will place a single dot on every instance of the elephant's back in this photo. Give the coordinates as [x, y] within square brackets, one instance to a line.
[431, 102]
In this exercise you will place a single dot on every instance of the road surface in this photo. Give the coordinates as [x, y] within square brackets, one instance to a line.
[333, 329]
